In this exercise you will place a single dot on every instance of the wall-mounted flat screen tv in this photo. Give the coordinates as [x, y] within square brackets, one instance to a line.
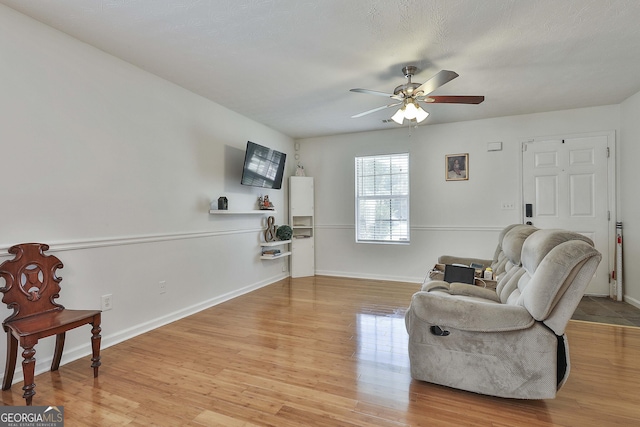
[263, 167]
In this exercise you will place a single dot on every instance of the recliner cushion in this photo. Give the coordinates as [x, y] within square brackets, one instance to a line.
[539, 244]
[514, 240]
[438, 308]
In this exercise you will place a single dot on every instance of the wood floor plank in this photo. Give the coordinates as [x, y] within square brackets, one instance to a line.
[322, 351]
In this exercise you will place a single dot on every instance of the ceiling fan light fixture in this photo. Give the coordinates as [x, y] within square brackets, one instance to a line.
[411, 110]
[398, 117]
[421, 114]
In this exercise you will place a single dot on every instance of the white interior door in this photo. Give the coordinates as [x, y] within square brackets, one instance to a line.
[565, 182]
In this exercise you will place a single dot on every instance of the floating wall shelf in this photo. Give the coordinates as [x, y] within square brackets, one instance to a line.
[252, 212]
[272, 244]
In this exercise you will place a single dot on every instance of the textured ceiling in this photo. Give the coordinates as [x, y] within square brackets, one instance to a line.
[290, 63]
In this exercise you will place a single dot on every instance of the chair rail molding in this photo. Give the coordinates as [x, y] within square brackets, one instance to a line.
[132, 240]
[437, 228]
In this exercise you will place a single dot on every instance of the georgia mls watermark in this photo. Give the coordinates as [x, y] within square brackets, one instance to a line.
[32, 416]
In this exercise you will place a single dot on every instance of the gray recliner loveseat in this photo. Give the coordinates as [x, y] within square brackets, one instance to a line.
[509, 342]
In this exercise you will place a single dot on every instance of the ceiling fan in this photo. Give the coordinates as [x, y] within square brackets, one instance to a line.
[410, 94]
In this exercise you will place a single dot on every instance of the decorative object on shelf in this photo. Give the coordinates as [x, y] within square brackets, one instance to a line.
[300, 170]
[223, 203]
[265, 203]
[275, 249]
[271, 252]
[456, 167]
[284, 232]
[270, 232]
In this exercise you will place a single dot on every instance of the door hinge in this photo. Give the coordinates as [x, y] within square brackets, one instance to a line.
[524, 147]
[608, 215]
[608, 152]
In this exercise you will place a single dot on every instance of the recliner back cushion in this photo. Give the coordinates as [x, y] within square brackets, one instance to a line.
[496, 255]
[555, 273]
[558, 267]
[512, 243]
[514, 240]
[539, 244]
[499, 258]
[509, 284]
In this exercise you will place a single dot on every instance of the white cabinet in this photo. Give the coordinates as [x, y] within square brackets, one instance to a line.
[301, 220]
[301, 196]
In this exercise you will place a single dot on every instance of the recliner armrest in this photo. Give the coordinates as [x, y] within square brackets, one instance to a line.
[469, 315]
[457, 288]
[473, 291]
[439, 285]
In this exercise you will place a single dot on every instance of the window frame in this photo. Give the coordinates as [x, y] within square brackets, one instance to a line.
[403, 200]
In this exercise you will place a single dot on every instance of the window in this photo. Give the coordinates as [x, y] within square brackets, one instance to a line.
[382, 198]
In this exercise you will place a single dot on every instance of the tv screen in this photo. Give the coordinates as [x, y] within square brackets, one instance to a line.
[263, 167]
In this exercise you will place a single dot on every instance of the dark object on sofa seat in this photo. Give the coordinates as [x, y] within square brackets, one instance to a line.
[459, 273]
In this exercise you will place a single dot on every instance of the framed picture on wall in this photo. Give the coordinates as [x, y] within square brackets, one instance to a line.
[456, 167]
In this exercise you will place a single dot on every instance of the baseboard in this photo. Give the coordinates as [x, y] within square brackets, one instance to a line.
[597, 295]
[634, 302]
[353, 275]
[79, 352]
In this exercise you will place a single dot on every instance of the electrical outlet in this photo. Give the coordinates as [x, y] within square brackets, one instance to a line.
[284, 267]
[508, 205]
[162, 287]
[107, 304]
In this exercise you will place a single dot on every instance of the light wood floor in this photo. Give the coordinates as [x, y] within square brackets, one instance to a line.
[321, 352]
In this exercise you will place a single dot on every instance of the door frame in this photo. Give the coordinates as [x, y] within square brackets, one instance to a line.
[612, 191]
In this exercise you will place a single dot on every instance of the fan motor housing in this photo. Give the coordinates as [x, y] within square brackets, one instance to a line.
[406, 90]
[409, 70]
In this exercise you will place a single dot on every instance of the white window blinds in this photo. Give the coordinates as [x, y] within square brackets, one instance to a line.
[382, 198]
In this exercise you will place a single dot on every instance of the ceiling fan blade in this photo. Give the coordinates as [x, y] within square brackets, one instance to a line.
[376, 109]
[444, 76]
[375, 92]
[452, 99]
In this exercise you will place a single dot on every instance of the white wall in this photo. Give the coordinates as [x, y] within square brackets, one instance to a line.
[461, 218]
[115, 169]
[629, 155]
